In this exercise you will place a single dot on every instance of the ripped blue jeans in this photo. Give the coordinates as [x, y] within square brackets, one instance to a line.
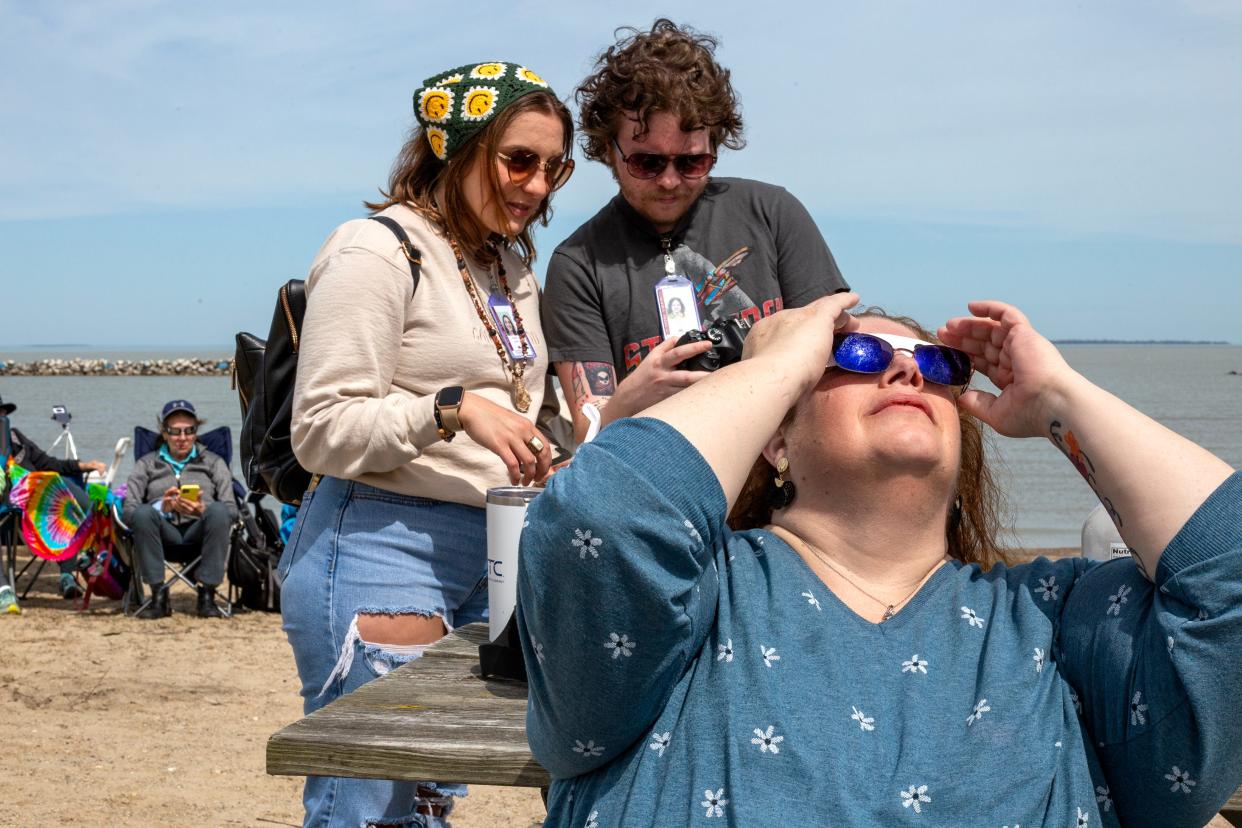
[359, 549]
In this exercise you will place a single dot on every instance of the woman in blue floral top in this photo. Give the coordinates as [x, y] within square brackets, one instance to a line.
[858, 660]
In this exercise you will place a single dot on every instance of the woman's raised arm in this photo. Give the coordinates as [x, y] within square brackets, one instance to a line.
[1150, 479]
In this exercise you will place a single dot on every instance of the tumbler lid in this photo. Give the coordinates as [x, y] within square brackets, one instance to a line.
[512, 495]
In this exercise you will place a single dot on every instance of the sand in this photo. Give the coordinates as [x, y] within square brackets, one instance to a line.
[112, 721]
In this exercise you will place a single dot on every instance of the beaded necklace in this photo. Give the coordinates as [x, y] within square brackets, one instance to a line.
[515, 367]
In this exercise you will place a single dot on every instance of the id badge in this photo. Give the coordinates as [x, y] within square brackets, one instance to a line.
[506, 326]
[679, 312]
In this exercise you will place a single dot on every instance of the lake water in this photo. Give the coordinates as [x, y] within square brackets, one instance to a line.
[1185, 387]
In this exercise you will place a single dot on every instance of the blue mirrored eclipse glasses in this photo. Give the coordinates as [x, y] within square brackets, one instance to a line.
[871, 353]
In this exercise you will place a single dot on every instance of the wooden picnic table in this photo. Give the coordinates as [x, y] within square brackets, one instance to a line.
[433, 718]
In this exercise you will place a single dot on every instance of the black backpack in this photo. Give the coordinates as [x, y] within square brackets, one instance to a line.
[263, 374]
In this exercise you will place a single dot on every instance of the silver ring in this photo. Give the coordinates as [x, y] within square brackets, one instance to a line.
[535, 445]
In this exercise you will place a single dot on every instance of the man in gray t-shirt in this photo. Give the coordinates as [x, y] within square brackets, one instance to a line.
[674, 248]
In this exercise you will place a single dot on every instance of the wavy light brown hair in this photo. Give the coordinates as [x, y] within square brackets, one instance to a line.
[972, 533]
[417, 173]
[668, 69]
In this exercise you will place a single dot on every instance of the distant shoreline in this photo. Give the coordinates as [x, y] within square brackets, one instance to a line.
[1140, 342]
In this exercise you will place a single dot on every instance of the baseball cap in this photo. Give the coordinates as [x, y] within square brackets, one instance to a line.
[6, 408]
[173, 406]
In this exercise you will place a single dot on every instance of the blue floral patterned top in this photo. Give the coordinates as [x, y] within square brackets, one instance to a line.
[683, 674]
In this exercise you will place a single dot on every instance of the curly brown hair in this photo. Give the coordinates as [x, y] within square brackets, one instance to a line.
[417, 173]
[668, 69]
[973, 527]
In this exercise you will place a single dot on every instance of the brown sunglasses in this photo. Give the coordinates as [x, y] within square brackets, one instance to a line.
[522, 164]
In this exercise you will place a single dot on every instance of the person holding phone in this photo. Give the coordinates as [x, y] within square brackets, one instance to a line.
[180, 493]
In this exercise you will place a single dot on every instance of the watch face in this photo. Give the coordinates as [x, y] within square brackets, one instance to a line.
[450, 397]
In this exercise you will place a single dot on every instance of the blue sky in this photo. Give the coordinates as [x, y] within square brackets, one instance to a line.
[1083, 161]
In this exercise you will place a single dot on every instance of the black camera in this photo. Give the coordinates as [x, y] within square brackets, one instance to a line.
[727, 337]
[61, 415]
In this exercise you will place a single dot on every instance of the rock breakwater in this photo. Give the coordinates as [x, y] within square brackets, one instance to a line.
[115, 367]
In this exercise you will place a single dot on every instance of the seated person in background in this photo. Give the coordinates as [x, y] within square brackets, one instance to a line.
[28, 455]
[158, 512]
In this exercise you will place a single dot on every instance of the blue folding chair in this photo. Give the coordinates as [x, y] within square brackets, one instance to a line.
[181, 559]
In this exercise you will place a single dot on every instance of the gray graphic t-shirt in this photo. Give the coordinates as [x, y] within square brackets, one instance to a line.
[599, 301]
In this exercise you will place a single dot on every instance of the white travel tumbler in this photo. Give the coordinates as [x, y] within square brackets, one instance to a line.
[506, 512]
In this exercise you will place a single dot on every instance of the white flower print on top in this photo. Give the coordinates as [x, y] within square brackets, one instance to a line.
[766, 740]
[915, 798]
[592, 820]
[1138, 710]
[1103, 797]
[724, 652]
[584, 543]
[914, 665]
[1115, 601]
[1048, 588]
[714, 803]
[694, 533]
[1181, 780]
[589, 749]
[538, 645]
[1169, 644]
[659, 741]
[865, 722]
[812, 600]
[769, 655]
[620, 645]
[972, 618]
[1039, 660]
[981, 707]
[1083, 819]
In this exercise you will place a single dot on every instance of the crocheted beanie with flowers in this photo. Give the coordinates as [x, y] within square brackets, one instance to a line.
[452, 106]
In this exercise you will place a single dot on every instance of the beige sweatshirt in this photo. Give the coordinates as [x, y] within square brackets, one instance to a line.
[371, 360]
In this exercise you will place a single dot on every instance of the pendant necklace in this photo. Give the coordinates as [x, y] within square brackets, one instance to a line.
[890, 610]
[515, 367]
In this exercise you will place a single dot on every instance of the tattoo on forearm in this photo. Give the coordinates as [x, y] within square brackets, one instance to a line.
[1065, 440]
[593, 382]
[601, 378]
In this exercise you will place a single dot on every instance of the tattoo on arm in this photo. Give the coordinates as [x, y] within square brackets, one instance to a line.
[1065, 440]
[593, 382]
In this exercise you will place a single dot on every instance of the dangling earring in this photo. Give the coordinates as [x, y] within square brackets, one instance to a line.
[784, 492]
[955, 514]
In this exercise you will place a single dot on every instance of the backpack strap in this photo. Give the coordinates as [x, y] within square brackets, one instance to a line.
[412, 253]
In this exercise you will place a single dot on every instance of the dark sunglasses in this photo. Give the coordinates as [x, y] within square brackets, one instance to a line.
[522, 164]
[651, 164]
[865, 353]
[188, 431]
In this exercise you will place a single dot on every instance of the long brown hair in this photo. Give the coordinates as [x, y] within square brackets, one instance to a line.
[668, 69]
[417, 173]
[973, 527]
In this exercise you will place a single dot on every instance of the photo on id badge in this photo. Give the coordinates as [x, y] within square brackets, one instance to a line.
[506, 326]
[679, 312]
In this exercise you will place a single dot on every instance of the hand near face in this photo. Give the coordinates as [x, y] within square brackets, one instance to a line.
[1026, 367]
[799, 340]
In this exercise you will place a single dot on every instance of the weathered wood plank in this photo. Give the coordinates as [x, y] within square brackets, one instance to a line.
[435, 718]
